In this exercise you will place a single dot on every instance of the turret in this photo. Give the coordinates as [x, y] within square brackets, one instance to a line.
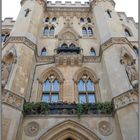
[106, 19]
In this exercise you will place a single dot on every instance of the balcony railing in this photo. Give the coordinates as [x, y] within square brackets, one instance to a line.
[67, 108]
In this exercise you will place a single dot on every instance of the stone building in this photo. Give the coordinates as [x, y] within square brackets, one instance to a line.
[70, 56]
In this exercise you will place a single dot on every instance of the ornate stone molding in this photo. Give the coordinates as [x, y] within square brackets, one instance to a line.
[46, 59]
[32, 129]
[12, 99]
[91, 59]
[105, 128]
[125, 99]
[24, 40]
[68, 59]
[115, 40]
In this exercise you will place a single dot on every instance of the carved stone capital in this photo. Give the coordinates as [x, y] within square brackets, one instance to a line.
[12, 99]
[125, 99]
[24, 40]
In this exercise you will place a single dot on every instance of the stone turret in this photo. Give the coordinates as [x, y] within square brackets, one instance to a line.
[107, 20]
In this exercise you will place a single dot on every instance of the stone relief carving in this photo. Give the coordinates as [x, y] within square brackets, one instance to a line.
[125, 99]
[31, 129]
[129, 64]
[105, 128]
[7, 64]
[12, 99]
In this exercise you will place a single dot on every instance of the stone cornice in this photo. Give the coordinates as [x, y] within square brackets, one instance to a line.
[125, 99]
[24, 40]
[12, 99]
[115, 40]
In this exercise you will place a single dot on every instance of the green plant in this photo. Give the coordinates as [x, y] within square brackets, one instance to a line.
[79, 110]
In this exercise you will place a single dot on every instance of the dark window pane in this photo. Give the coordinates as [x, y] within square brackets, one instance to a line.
[46, 31]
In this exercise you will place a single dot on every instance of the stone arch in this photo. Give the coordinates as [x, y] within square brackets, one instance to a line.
[44, 76]
[67, 129]
[93, 77]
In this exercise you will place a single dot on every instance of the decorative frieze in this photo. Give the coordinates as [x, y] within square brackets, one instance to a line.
[115, 40]
[23, 40]
[91, 59]
[12, 99]
[68, 59]
[46, 59]
[125, 99]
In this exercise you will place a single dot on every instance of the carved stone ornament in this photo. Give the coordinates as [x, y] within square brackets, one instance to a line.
[105, 128]
[31, 129]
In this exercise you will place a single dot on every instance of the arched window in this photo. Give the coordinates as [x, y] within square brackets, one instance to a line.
[54, 19]
[44, 52]
[88, 20]
[136, 50]
[82, 20]
[86, 90]
[3, 37]
[72, 45]
[109, 13]
[64, 45]
[52, 30]
[84, 31]
[127, 33]
[46, 31]
[47, 19]
[51, 88]
[90, 32]
[92, 52]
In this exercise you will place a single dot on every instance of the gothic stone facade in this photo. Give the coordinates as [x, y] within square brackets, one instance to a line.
[65, 45]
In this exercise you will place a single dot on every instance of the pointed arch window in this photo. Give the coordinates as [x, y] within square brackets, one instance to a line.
[88, 20]
[72, 45]
[44, 52]
[51, 88]
[46, 31]
[92, 52]
[84, 31]
[54, 19]
[90, 31]
[135, 49]
[86, 90]
[82, 20]
[47, 19]
[52, 31]
[127, 33]
[109, 13]
[64, 45]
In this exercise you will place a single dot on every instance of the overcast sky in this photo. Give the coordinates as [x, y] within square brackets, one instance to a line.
[10, 8]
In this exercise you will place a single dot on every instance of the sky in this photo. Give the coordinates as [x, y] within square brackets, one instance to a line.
[11, 8]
